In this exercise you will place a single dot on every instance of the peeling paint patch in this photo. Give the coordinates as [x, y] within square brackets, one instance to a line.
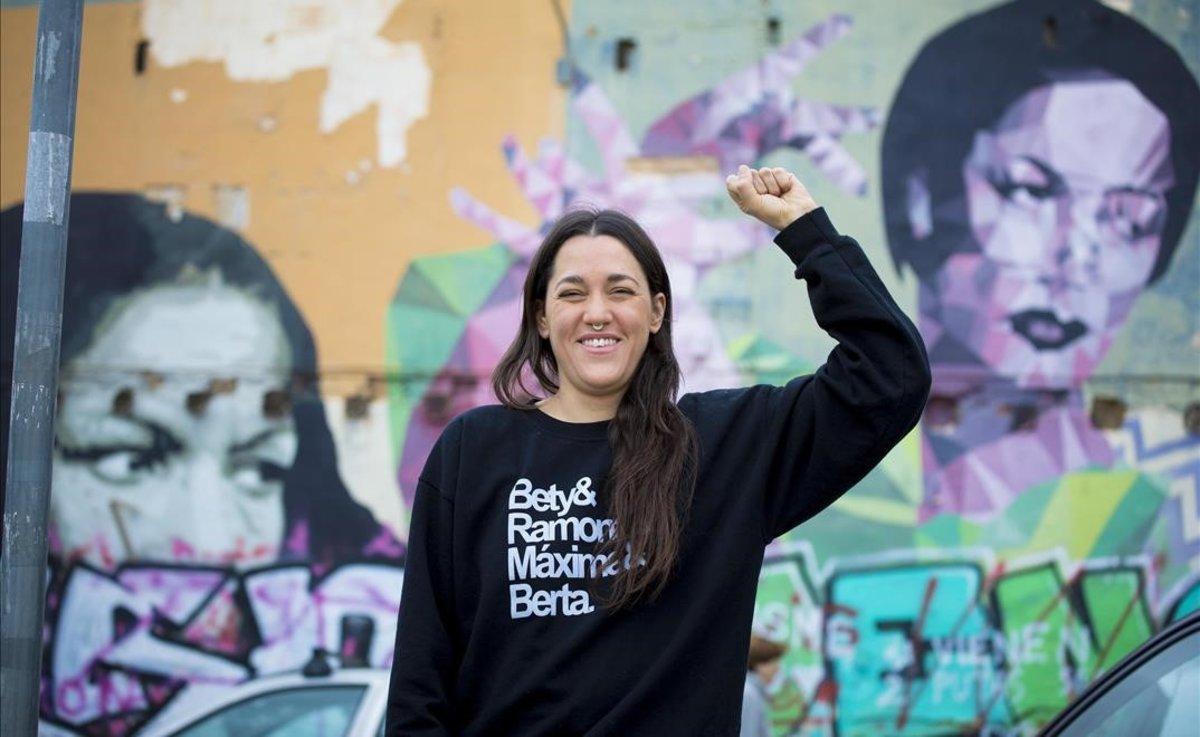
[232, 205]
[48, 44]
[171, 196]
[48, 162]
[261, 42]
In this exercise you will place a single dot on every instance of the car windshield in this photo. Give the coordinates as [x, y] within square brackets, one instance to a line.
[1156, 700]
[318, 711]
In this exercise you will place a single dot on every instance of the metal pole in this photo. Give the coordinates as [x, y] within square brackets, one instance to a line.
[35, 361]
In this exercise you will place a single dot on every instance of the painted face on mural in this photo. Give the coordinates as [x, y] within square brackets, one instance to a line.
[1065, 199]
[597, 281]
[167, 464]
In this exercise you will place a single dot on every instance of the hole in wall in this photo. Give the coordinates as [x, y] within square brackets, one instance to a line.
[1108, 413]
[773, 26]
[625, 50]
[140, 52]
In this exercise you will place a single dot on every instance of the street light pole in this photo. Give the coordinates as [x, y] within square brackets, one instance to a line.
[35, 361]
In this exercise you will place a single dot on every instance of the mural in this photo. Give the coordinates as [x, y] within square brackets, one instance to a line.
[1035, 163]
[963, 642]
[190, 433]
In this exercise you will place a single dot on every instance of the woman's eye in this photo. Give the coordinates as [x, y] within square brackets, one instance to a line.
[256, 476]
[1133, 215]
[126, 466]
[1023, 192]
[116, 467]
[1024, 182]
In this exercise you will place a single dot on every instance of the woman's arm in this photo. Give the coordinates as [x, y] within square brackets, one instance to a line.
[823, 432]
[425, 662]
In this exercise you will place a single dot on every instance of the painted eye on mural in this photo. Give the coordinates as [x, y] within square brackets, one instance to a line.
[127, 464]
[1026, 181]
[1132, 213]
[256, 477]
[118, 466]
[258, 465]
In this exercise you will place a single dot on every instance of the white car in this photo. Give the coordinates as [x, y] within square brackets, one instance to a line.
[348, 702]
[345, 703]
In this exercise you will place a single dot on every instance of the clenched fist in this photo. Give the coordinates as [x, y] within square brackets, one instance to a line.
[771, 194]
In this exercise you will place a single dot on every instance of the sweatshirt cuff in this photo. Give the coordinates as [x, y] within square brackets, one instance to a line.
[804, 234]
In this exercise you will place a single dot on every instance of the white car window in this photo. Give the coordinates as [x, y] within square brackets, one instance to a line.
[317, 711]
[1159, 699]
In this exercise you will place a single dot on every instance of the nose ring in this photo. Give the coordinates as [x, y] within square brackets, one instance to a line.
[597, 325]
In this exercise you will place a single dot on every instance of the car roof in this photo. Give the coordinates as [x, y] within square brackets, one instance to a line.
[197, 700]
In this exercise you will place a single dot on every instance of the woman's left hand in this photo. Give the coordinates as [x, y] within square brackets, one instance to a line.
[772, 194]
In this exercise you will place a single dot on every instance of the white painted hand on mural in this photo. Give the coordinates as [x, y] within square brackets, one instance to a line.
[755, 111]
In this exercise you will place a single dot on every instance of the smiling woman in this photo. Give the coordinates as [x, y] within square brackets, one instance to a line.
[571, 548]
[596, 332]
[189, 424]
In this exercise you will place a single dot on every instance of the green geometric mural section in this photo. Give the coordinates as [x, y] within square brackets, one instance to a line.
[427, 317]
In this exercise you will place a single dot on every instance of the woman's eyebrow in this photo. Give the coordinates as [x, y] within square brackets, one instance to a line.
[1051, 175]
[160, 436]
[574, 279]
[256, 439]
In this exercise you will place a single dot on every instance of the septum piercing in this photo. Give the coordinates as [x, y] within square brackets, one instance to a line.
[597, 325]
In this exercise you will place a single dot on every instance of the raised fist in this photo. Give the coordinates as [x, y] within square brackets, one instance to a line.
[772, 194]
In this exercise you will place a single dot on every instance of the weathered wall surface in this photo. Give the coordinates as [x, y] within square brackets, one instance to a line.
[298, 238]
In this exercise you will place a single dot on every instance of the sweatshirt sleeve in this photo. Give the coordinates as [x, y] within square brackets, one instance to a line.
[426, 658]
[822, 433]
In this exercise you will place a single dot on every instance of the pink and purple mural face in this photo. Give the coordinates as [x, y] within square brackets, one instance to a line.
[1065, 198]
[1035, 209]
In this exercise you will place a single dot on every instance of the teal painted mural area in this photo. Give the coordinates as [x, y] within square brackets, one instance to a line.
[959, 644]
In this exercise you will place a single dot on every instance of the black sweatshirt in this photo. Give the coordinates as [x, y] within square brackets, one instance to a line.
[497, 633]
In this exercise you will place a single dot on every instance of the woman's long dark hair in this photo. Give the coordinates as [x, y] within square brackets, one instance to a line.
[653, 476]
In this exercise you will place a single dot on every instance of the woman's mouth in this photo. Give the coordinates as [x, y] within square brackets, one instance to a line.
[599, 345]
[1044, 331]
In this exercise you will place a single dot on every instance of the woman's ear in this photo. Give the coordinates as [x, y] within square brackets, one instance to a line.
[658, 309]
[543, 325]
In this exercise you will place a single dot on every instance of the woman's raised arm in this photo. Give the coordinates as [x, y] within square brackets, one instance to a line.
[821, 433]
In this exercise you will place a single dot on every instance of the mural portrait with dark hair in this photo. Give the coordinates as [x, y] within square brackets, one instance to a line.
[189, 426]
[1039, 166]
[191, 454]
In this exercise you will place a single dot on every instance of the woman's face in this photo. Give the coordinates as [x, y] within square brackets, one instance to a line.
[1065, 199]
[150, 478]
[597, 280]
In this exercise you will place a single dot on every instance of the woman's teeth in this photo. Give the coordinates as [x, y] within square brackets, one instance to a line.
[599, 342]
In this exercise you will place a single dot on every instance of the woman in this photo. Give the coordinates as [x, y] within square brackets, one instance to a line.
[580, 563]
[189, 426]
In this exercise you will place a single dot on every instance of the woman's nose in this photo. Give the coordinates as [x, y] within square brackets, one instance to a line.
[209, 505]
[597, 310]
[1072, 241]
